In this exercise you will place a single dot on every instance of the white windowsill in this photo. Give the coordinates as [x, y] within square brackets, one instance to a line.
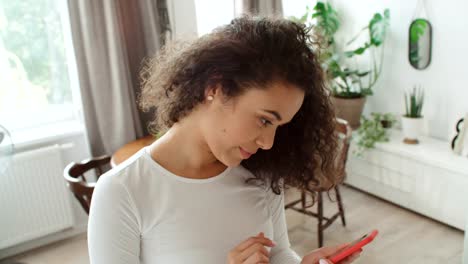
[46, 134]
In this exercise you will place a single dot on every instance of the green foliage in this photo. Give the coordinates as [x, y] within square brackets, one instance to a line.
[385, 117]
[372, 131]
[360, 83]
[347, 82]
[414, 101]
[326, 23]
[377, 29]
[327, 19]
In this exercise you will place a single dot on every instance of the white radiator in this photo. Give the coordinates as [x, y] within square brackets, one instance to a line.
[34, 200]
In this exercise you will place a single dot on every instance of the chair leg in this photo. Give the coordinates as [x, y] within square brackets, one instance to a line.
[320, 218]
[340, 205]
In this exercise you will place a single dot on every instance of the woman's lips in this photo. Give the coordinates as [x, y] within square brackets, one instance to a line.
[245, 154]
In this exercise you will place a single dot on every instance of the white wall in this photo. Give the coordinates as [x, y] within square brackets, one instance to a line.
[193, 18]
[465, 248]
[183, 19]
[207, 20]
[445, 80]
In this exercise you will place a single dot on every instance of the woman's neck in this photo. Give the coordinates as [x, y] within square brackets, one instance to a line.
[183, 151]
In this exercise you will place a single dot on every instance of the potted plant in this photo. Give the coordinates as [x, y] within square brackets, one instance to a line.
[349, 85]
[373, 130]
[412, 121]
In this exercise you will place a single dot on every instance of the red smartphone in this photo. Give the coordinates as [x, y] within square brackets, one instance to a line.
[353, 247]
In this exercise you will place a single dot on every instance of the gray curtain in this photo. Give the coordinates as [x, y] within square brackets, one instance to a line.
[259, 7]
[111, 39]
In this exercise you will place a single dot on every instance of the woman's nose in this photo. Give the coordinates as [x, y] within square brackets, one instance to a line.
[265, 140]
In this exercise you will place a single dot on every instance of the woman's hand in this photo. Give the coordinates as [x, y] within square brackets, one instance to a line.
[319, 256]
[251, 251]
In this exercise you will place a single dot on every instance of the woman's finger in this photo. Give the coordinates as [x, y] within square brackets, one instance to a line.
[257, 258]
[254, 249]
[249, 242]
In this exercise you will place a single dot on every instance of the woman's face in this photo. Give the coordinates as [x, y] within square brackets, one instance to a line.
[235, 129]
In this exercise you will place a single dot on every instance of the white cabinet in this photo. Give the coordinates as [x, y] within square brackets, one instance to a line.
[426, 178]
[465, 248]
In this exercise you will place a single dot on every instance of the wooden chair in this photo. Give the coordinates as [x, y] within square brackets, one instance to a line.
[344, 134]
[74, 175]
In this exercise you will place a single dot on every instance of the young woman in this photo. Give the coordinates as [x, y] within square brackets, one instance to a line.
[245, 113]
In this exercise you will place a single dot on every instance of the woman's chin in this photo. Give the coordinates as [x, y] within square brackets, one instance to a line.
[230, 158]
[231, 162]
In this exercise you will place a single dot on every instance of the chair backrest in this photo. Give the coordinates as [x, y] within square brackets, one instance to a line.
[77, 182]
[344, 132]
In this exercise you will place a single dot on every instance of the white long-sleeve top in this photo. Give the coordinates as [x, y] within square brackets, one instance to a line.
[143, 213]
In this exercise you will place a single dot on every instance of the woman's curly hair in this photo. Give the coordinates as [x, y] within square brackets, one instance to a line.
[253, 52]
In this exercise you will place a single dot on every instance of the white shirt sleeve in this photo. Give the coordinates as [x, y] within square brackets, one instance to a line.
[113, 227]
[282, 252]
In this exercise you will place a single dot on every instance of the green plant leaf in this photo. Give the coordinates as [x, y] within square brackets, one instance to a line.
[414, 101]
[327, 18]
[362, 74]
[378, 27]
[357, 51]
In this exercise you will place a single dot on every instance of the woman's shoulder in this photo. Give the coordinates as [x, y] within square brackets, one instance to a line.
[131, 186]
[132, 174]
[121, 171]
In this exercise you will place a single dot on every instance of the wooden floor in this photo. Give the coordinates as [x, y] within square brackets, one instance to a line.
[404, 237]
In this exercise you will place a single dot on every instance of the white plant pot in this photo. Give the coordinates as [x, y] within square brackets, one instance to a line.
[412, 129]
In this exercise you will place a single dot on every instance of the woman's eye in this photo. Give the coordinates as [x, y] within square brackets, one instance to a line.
[265, 122]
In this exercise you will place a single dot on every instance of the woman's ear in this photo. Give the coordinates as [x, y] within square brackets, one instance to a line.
[212, 92]
[209, 95]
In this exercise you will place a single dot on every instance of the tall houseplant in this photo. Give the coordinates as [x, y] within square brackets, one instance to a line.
[349, 85]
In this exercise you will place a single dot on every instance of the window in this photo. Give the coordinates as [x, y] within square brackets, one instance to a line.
[35, 82]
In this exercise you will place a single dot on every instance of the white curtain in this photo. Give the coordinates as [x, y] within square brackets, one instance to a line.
[111, 38]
